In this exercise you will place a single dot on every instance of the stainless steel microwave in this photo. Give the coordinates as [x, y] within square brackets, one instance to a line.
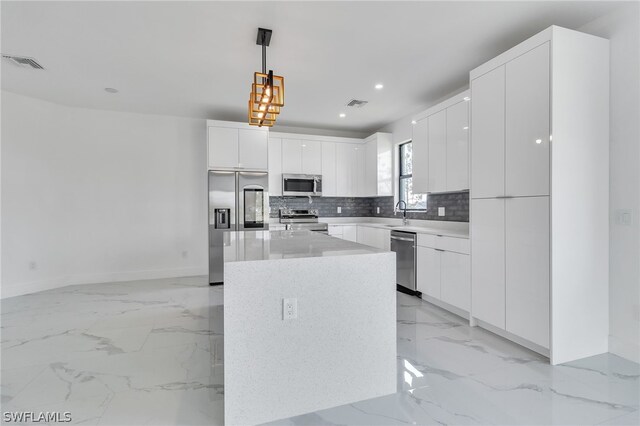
[301, 185]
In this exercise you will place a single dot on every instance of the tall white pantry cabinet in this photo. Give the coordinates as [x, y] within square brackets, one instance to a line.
[539, 190]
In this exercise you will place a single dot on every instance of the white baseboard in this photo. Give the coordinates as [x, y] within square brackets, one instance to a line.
[18, 289]
[624, 348]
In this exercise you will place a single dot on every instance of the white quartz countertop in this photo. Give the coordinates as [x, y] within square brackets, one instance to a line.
[456, 233]
[447, 229]
[241, 246]
[419, 229]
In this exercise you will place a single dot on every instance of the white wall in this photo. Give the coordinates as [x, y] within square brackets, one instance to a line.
[93, 196]
[622, 29]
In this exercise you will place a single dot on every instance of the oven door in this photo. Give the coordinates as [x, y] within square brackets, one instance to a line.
[301, 185]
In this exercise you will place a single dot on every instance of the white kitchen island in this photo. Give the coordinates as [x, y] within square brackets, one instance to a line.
[341, 346]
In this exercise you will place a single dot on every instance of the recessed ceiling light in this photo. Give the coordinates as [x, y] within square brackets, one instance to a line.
[379, 86]
[110, 90]
[413, 121]
[342, 115]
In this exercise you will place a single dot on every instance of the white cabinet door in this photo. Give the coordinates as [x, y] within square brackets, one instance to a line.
[384, 165]
[455, 279]
[371, 168]
[527, 124]
[345, 163]
[383, 237]
[527, 268]
[311, 157]
[374, 237]
[275, 166]
[488, 261]
[223, 147]
[359, 171]
[335, 231]
[291, 156]
[349, 232]
[437, 142]
[365, 235]
[253, 149]
[329, 187]
[487, 134]
[420, 157]
[428, 271]
[458, 147]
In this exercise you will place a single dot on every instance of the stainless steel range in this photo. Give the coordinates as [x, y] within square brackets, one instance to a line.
[297, 219]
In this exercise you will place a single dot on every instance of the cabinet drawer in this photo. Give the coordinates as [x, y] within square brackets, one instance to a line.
[458, 245]
[427, 240]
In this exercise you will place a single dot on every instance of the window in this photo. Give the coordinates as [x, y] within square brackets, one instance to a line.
[414, 201]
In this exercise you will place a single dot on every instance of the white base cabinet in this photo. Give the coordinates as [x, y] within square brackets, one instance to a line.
[428, 271]
[362, 234]
[455, 276]
[374, 237]
[443, 270]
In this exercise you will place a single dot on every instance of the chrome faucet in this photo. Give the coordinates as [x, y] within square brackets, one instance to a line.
[404, 211]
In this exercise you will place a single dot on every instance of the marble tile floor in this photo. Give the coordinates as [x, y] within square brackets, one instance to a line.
[150, 353]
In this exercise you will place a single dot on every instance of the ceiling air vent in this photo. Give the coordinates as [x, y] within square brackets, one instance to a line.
[23, 61]
[355, 103]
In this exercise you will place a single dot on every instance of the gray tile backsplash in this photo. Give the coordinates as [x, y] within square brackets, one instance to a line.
[456, 206]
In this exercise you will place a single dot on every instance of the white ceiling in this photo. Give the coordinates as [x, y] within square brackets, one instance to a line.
[197, 59]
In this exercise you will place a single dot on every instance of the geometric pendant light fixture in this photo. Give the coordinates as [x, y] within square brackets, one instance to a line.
[267, 90]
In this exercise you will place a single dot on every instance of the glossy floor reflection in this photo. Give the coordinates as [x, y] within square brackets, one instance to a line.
[150, 352]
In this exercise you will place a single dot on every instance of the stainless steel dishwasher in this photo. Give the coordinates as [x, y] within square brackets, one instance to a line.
[404, 244]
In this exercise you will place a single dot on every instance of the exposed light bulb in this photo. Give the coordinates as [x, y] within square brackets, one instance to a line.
[342, 115]
[538, 141]
[466, 98]
[413, 121]
[379, 86]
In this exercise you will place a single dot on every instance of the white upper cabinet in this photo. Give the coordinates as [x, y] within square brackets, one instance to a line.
[441, 147]
[378, 167]
[291, 156]
[349, 167]
[458, 146]
[232, 146]
[345, 166]
[370, 169]
[358, 170]
[275, 166]
[311, 157]
[223, 147]
[437, 142]
[301, 156]
[527, 124]
[329, 184]
[487, 134]
[252, 149]
[420, 157]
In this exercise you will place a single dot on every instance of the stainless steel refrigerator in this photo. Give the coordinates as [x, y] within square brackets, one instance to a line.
[238, 201]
